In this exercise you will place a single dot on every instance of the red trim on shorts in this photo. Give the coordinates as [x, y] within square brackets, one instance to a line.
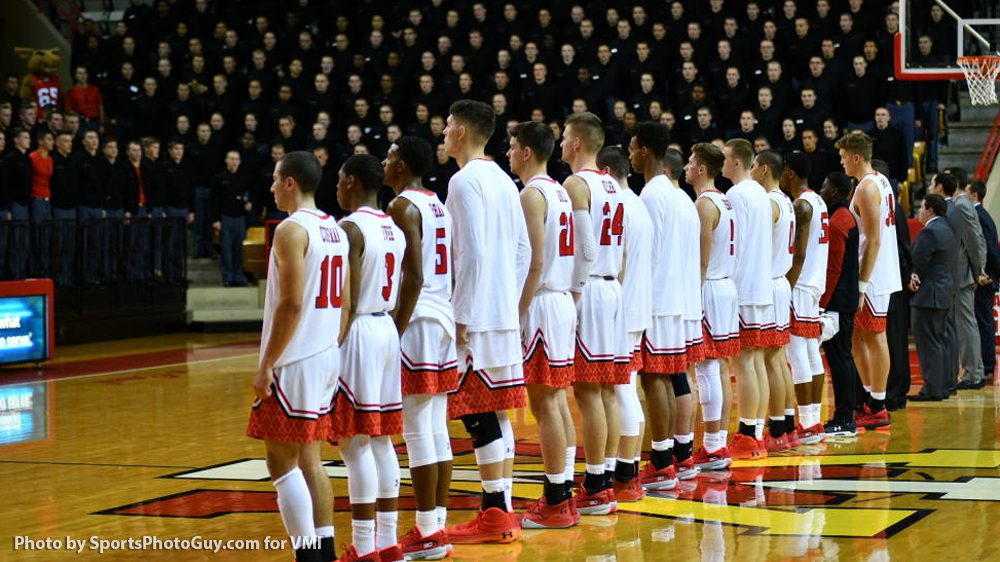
[758, 338]
[867, 320]
[474, 396]
[696, 351]
[782, 336]
[810, 329]
[270, 422]
[429, 381]
[663, 361]
[636, 363]
[347, 421]
[538, 369]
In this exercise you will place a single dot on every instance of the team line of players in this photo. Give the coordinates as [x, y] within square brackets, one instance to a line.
[498, 299]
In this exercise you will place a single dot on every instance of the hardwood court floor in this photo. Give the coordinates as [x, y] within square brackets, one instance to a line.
[145, 438]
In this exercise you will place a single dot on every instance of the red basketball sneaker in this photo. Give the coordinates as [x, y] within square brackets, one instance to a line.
[630, 491]
[391, 554]
[351, 555]
[601, 503]
[417, 547]
[776, 444]
[493, 525]
[656, 480]
[541, 515]
[875, 420]
[686, 470]
[793, 439]
[811, 435]
[745, 447]
[716, 460]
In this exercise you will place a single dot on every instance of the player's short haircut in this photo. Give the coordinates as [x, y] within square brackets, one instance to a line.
[477, 116]
[979, 188]
[947, 182]
[653, 135]
[536, 136]
[674, 161]
[366, 169]
[773, 161]
[416, 153]
[304, 168]
[936, 203]
[841, 183]
[881, 167]
[742, 150]
[799, 164]
[614, 158]
[856, 143]
[589, 128]
[961, 176]
[709, 156]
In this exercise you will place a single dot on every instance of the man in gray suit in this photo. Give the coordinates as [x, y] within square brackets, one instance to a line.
[969, 273]
[933, 286]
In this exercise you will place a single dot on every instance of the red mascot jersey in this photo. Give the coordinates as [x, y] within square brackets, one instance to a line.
[45, 92]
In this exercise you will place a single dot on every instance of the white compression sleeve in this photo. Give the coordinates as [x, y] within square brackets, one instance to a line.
[584, 247]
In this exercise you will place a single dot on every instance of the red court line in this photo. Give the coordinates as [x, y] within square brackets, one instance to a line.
[125, 362]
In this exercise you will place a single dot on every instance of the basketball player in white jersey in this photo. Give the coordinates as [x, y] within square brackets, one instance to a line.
[808, 280]
[754, 220]
[491, 254]
[299, 352]
[548, 318]
[766, 170]
[601, 341]
[878, 273]
[675, 259]
[637, 297]
[369, 401]
[426, 327]
[719, 300]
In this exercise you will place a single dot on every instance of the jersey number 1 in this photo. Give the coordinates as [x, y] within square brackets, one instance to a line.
[331, 282]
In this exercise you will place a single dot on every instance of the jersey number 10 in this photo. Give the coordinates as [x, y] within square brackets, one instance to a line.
[331, 283]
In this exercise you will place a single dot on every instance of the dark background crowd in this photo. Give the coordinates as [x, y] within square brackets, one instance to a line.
[178, 112]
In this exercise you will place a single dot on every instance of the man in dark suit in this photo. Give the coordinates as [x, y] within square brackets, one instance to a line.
[933, 286]
[984, 293]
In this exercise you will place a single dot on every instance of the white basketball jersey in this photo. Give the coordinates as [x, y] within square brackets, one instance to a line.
[813, 275]
[885, 275]
[381, 261]
[753, 243]
[676, 249]
[637, 286]
[782, 235]
[322, 290]
[608, 214]
[435, 231]
[557, 264]
[722, 258]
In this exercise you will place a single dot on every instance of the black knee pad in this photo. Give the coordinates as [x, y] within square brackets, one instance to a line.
[483, 428]
[680, 384]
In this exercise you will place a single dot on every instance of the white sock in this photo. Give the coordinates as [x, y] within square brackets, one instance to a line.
[878, 395]
[427, 523]
[596, 469]
[817, 413]
[684, 439]
[805, 415]
[867, 388]
[610, 463]
[363, 535]
[442, 516]
[664, 445]
[508, 492]
[713, 442]
[724, 436]
[324, 531]
[559, 478]
[295, 504]
[758, 429]
[570, 463]
[385, 530]
[493, 486]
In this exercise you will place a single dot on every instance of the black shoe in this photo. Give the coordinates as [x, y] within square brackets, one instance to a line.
[896, 404]
[924, 397]
[835, 428]
[966, 384]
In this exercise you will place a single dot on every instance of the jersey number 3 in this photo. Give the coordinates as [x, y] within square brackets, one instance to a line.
[390, 268]
[331, 283]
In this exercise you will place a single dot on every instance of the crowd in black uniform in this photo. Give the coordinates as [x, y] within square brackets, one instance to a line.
[343, 77]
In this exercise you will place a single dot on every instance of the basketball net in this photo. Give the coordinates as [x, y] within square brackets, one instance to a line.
[981, 74]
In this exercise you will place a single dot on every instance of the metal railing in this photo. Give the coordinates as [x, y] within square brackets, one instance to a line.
[989, 156]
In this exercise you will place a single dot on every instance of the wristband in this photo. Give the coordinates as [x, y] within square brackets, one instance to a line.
[862, 286]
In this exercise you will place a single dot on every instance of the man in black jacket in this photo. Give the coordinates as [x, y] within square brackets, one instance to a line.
[90, 189]
[206, 155]
[65, 200]
[177, 199]
[888, 146]
[18, 187]
[933, 286]
[230, 204]
[115, 176]
[985, 293]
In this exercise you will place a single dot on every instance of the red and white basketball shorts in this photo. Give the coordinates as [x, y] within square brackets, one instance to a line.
[664, 346]
[782, 310]
[694, 340]
[299, 406]
[602, 349]
[721, 323]
[635, 343]
[548, 339]
[369, 397]
[429, 361]
[805, 313]
[757, 326]
[489, 389]
[873, 313]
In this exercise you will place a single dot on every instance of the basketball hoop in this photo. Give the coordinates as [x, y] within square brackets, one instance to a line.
[981, 74]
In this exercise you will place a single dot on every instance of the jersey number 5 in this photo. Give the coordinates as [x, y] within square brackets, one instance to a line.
[441, 250]
[331, 283]
[565, 234]
[612, 225]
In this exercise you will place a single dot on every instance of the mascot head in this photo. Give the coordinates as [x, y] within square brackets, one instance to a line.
[40, 61]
